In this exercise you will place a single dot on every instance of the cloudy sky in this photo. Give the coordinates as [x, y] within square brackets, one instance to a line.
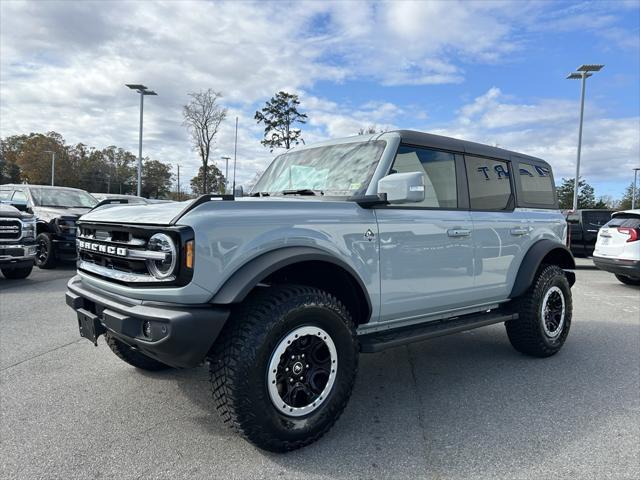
[492, 72]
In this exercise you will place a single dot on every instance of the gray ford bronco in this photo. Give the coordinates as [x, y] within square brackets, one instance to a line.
[343, 247]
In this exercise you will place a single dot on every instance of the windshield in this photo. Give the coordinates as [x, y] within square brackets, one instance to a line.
[337, 170]
[58, 197]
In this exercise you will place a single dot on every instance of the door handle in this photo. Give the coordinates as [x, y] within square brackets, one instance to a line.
[458, 232]
[521, 231]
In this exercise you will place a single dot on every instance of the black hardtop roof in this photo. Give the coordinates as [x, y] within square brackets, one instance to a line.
[448, 143]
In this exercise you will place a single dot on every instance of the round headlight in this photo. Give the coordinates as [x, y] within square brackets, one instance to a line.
[162, 269]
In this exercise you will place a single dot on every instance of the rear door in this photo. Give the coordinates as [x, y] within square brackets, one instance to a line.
[501, 233]
[426, 248]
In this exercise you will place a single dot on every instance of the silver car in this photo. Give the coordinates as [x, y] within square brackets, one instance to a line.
[343, 247]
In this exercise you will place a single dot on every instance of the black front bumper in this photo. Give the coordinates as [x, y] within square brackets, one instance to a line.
[181, 335]
[628, 268]
[64, 246]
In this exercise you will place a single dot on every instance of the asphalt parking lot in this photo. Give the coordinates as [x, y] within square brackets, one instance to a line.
[457, 407]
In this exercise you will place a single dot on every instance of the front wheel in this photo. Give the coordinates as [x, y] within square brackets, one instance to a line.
[17, 273]
[544, 314]
[628, 280]
[45, 257]
[284, 368]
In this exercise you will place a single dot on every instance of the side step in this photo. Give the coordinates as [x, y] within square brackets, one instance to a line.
[377, 341]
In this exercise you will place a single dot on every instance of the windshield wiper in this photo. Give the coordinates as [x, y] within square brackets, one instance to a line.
[302, 191]
[260, 194]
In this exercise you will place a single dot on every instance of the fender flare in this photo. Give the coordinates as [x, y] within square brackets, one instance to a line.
[532, 260]
[242, 281]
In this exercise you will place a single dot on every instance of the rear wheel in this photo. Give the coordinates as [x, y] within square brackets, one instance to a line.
[284, 368]
[133, 357]
[17, 273]
[544, 314]
[45, 257]
[628, 280]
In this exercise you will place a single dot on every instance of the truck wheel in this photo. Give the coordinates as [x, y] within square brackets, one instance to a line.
[17, 273]
[45, 257]
[284, 367]
[133, 357]
[545, 314]
[628, 280]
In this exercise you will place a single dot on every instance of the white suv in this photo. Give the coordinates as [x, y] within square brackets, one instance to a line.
[618, 247]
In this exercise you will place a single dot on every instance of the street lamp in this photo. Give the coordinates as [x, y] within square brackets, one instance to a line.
[634, 191]
[584, 72]
[142, 90]
[226, 172]
[53, 164]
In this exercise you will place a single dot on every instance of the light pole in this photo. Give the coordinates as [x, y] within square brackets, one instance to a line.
[582, 74]
[53, 165]
[634, 191]
[142, 90]
[226, 172]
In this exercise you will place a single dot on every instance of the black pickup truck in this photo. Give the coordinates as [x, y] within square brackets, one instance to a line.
[583, 229]
[17, 242]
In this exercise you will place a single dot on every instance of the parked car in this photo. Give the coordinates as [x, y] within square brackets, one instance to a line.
[343, 247]
[17, 241]
[56, 209]
[583, 229]
[117, 196]
[618, 247]
[106, 198]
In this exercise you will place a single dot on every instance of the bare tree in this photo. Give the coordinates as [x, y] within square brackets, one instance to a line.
[202, 117]
[369, 130]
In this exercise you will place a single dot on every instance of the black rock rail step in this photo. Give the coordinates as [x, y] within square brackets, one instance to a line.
[377, 341]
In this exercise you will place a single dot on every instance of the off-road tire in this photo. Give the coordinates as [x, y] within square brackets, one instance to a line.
[527, 334]
[45, 258]
[239, 364]
[628, 280]
[17, 273]
[133, 357]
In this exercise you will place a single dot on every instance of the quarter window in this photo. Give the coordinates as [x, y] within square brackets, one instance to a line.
[440, 175]
[19, 196]
[537, 187]
[489, 183]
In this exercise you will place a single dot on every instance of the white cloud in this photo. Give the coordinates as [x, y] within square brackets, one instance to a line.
[63, 66]
[548, 128]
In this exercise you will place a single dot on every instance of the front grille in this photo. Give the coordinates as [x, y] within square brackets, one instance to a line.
[10, 229]
[119, 253]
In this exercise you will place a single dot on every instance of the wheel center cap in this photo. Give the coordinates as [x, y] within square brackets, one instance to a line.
[297, 368]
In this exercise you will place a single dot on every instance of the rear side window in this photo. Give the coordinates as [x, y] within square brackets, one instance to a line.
[629, 221]
[489, 184]
[595, 219]
[537, 187]
[440, 175]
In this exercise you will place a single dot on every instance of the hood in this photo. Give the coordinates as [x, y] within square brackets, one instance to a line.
[9, 211]
[49, 213]
[167, 213]
[143, 213]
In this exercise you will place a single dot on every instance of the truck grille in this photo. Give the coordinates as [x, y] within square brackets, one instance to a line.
[120, 253]
[10, 229]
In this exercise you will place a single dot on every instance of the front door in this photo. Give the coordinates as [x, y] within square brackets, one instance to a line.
[426, 248]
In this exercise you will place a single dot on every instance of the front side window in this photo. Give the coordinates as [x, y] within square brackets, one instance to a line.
[489, 183]
[59, 197]
[440, 190]
[537, 186]
[5, 194]
[335, 170]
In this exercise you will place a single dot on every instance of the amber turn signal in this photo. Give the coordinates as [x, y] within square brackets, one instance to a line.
[188, 254]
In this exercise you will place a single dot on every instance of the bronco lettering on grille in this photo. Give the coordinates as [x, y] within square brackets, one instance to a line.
[100, 248]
